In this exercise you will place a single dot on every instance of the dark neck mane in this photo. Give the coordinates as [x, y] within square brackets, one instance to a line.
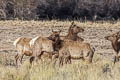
[116, 45]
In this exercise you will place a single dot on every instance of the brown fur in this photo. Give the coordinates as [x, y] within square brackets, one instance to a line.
[49, 55]
[42, 45]
[73, 33]
[115, 44]
[75, 50]
[23, 48]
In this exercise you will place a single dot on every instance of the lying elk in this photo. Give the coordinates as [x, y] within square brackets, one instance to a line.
[73, 33]
[41, 45]
[75, 50]
[23, 47]
[115, 44]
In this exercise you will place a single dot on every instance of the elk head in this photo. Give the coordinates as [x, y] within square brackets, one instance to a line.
[113, 37]
[55, 35]
[75, 29]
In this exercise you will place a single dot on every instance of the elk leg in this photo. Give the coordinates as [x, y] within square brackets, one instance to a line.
[31, 59]
[54, 58]
[39, 56]
[88, 59]
[69, 60]
[36, 59]
[66, 60]
[21, 58]
[16, 59]
[60, 61]
[116, 59]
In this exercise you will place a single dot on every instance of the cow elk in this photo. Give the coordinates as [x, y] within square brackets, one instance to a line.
[73, 33]
[75, 50]
[114, 38]
[23, 47]
[41, 45]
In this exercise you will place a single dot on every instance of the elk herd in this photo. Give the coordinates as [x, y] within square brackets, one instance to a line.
[62, 48]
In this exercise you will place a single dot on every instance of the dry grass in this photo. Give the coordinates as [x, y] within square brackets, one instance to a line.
[99, 70]
[102, 67]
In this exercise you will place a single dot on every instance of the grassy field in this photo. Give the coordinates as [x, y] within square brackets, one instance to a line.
[102, 67]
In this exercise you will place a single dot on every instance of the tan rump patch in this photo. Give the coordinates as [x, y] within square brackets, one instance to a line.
[33, 41]
[16, 41]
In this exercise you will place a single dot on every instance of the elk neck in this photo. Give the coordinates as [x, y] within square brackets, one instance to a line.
[115, 45]
[72, 35]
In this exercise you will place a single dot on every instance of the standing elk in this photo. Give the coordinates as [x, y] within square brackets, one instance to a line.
[23, 46]
[114, 38]
[71, 46]
[71, 36]
[41, 45]
[75, 50]
[73, 33]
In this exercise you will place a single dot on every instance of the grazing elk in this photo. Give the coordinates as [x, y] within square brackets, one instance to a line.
[75, 50]
[73, 33]
[41, 45]
[114, 38]
[22, 44]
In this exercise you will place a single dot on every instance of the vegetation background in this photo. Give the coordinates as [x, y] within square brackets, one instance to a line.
[102, 67]
[13, 11]
[60, 9]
